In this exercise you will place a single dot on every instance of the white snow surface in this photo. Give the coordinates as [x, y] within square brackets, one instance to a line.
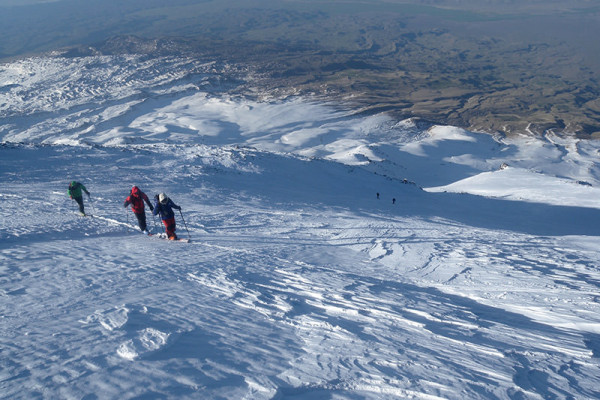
[299, 282]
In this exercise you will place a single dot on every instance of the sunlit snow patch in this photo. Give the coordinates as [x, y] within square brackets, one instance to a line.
[148, 340]
[524, 185]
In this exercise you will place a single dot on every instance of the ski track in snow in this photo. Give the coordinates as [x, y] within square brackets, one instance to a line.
[298, 282]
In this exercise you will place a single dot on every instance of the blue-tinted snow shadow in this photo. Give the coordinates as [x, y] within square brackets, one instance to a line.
[63, 236]
[528, 375]
[481, 325]
[517, 216]
[296, 183]
[293, 183]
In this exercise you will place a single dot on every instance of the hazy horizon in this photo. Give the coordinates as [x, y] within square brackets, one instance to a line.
[491, 66]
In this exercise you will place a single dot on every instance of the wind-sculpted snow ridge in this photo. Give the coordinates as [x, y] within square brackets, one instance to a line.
[45, 97]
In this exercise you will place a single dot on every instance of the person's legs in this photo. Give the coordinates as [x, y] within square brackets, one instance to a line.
[141, 217]
[170, 228]
[79, 201]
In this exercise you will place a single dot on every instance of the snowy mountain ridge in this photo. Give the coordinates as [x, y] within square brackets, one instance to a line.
[317, 269]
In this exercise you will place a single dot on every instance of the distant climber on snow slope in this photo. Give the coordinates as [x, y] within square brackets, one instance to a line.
[163, 205]
[137, 198]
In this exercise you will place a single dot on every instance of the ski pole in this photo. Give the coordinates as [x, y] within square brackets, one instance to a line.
[92, 204]
[184, 224]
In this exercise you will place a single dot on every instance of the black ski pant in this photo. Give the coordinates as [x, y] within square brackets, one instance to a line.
[141, 217]
[79, 201]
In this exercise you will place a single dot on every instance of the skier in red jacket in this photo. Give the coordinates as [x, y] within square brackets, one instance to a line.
[136, 199]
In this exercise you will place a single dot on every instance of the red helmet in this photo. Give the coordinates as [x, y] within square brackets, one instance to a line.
[135, 191]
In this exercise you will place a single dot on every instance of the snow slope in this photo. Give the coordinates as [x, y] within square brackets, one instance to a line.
[478, 282]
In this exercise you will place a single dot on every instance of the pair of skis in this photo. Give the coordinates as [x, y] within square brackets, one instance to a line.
[164, 237]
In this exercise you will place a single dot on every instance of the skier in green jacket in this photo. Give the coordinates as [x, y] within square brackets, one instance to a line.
[75, 189]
